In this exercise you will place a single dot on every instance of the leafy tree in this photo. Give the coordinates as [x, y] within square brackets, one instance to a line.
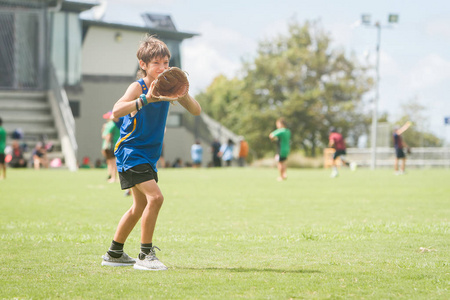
[299, 77]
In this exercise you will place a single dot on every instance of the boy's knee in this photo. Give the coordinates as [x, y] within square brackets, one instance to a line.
[156, 199]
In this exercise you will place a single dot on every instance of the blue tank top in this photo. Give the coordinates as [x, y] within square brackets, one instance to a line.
[141, 136]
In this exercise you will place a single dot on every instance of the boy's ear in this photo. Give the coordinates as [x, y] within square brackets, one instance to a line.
[142, 64]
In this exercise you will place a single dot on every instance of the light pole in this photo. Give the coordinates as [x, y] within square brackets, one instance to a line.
[365, 20]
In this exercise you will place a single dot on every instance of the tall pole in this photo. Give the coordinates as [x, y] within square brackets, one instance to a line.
[373, 142]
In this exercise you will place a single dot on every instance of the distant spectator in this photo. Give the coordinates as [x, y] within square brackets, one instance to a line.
[2, 150]
[196, 154]
[110, 135]
[86, 164]
[178, 163]
[243, 151]
[39, 156]
[215, 148]
[17, 134]
[17, 159]
[226, 152]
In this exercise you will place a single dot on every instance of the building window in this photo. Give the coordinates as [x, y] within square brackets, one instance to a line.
[75, 107]
[173, 120]
[66, 47]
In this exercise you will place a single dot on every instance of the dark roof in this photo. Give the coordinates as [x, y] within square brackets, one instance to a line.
[78, 6]
[158, 21]
[65, 5]
[160, 32]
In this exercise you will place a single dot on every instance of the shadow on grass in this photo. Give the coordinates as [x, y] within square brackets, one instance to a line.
[243, 270]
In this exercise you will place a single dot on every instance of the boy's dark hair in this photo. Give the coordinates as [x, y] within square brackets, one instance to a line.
[150, 48]
[282, 121]
[1, 121]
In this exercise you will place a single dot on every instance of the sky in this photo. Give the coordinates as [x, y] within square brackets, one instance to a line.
[414, 54]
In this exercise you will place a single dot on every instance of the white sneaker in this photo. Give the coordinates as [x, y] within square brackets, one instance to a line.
[334, 174]
[353, 166]
[150, 262]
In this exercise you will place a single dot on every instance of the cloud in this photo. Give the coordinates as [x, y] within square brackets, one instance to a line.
[439, 28]
[428, 72]
[216, 51]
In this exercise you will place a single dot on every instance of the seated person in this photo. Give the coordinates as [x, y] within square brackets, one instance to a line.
[40, 156]
[17, 159]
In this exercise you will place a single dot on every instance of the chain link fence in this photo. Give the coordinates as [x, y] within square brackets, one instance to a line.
[23, 45]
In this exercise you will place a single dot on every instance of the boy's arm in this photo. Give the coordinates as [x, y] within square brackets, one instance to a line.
[404, 127]
[273, 135]
[127, 103]
[190, 104]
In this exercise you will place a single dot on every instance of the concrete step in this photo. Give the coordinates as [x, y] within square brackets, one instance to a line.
[11, 107]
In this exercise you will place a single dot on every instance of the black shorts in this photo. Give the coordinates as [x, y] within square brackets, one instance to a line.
[2, 158]
[282, 158]
[136, 175]
[399, 153]
[339, 153]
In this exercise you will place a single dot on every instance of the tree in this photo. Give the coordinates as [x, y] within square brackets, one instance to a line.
[299, 77]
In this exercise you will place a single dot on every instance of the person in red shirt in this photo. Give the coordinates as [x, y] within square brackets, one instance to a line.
[337, 142]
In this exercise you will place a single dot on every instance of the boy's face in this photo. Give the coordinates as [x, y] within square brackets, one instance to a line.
[156, 66]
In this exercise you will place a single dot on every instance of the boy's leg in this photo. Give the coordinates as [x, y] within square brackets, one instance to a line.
[131, 217]
[115, 256]
[150, 191]
[147, 259]
[396, 164]
[403, 165]
[283, 170]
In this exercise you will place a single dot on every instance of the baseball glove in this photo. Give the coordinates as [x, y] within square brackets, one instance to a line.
[170, 85]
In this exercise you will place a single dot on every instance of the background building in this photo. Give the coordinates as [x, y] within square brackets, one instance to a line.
[59, 73]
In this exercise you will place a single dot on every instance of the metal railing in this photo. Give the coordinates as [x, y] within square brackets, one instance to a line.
[64, 121]
[420, 157]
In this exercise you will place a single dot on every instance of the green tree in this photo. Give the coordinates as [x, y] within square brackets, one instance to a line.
[297, 76]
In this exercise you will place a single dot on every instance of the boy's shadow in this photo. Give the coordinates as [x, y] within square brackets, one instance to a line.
[243, 270]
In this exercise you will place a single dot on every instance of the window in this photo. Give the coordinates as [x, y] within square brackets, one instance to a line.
[66, 47]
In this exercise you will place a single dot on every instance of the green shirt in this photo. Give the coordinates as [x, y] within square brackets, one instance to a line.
[2, 140]
[110, 128]
[284, 140]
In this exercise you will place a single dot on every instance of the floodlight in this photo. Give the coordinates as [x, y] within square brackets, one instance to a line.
[365, 19]
[393, 18]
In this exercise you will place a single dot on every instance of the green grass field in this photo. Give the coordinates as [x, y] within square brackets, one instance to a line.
[231, 234]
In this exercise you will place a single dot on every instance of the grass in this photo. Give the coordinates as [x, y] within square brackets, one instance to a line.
[231, 234]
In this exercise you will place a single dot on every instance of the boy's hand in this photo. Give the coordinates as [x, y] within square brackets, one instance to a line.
[170, 85]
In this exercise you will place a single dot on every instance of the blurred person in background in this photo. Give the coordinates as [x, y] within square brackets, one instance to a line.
[399, 146]
[197, 154]
[2, 150]
[243, 151]
[17, 158]
[215, 149]
[40, 156]
[226, 152]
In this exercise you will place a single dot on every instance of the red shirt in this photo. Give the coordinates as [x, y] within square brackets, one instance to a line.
[338, 141]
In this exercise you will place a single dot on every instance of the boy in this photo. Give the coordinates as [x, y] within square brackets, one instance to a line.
[336, 141]
[399, 144]
[137, 152]
[283, 136]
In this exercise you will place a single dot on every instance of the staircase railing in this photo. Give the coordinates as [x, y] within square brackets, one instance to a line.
[64, 121]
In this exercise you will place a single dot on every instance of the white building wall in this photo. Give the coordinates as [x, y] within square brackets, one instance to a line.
[105, 54]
